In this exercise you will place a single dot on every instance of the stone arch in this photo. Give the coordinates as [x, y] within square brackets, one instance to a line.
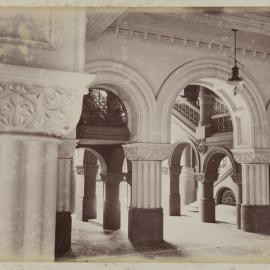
[213, 158]
[134, 91]
[247, 108]
[177, 149]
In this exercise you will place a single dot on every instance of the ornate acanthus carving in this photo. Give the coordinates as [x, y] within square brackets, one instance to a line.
[175, 170]
[66, 149]
[40, 101]
[38, 108]
[201, 145]
[255, 156]
[237, 178]
[147, 151]
[201, 177]
[80, 170]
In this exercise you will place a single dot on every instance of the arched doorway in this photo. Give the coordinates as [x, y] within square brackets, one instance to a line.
[183, 163]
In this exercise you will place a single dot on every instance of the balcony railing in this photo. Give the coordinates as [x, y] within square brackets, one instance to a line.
[220, 120]
[188, 110]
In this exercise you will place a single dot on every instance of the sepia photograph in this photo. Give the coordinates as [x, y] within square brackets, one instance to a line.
[134, 135]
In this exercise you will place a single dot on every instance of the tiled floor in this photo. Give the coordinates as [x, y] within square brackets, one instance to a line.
[187, 240]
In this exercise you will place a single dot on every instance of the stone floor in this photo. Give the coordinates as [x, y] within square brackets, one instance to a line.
[187, 240]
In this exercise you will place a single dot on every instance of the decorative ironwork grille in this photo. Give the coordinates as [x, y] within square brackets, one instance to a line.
[228, 197]
[103, 108]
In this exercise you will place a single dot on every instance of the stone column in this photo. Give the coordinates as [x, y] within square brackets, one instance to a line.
[111, 210]
[175, 200]
[207, 202]
[146, 213]
[206, 101]
[237, 179]
[86, 191]
[255, 208]
[89, 210]
[36, 107]
[187, 178]
[64, 196]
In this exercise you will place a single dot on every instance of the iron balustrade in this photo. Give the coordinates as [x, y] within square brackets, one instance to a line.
[220, 120]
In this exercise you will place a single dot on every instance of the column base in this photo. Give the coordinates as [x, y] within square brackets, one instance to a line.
[255, 218]
[207, 210]
[175, 205]
[62, 233]
[145, 226]
[89, 209]
[111, 216]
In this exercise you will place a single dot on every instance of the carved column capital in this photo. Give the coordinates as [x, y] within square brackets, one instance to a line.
[201, 177]
[39, 101]
[66, 149]
[237, 178]
[147, 151]
[201, 145]
[253, 155]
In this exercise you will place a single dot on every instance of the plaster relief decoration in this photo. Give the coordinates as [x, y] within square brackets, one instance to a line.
[249, 156]
[47, 103]
[201, 145]
[33, 27]
[66, 149]
[237, 178]
[147, 151]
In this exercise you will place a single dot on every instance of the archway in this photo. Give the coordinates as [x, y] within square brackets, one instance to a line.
[210, 173]
[247, 108]
[190, 165]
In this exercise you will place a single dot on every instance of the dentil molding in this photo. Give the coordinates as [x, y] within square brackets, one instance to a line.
[147, 151]
[40, 101]
[256, 156]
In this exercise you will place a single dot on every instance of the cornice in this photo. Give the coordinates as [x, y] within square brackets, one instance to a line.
[170, 40]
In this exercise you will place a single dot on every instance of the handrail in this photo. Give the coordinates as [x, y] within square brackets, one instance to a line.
[221, 119]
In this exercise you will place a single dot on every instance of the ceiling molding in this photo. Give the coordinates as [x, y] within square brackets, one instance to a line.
[170, 40]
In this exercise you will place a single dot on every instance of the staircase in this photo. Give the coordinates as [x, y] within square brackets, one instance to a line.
[190, 115]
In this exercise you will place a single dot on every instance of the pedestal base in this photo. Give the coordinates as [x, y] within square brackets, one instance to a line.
[207, 210]
[145, 226]
[62, 233]
[111, 216]
[175, 205]
[255, 218]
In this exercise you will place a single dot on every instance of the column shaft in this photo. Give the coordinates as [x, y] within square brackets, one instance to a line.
[111, 211]
[175, 200]
[255, 210]
[28, 197]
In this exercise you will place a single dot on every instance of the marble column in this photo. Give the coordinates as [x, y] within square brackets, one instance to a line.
[37, 106]
[237, 179]
[175, 199]
[187, 178]
[255, 208]
[207, 202]
[64, 196]
[146, 213]
[206, 101]
[111, 210]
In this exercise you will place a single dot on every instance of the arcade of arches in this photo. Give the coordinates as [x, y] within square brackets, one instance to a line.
[127, 99]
